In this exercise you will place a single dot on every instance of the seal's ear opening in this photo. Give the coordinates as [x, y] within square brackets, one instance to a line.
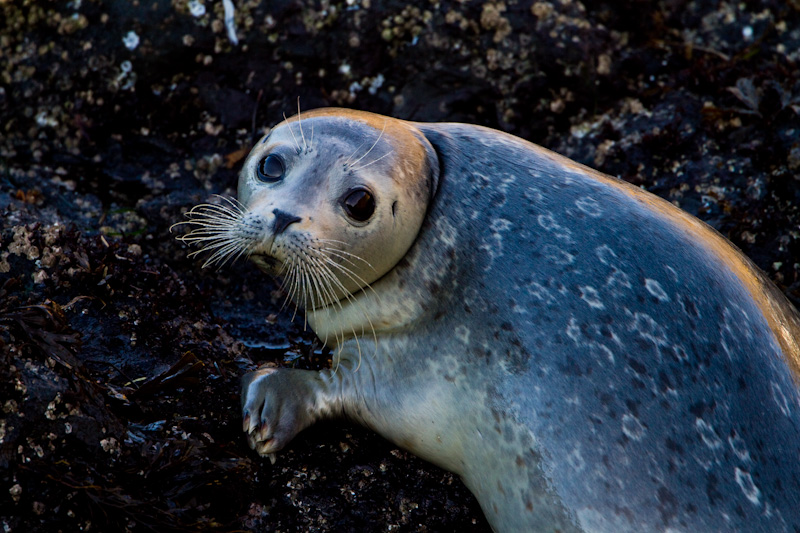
[433, 162]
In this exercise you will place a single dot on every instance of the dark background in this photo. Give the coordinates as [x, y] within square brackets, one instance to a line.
[120, 357]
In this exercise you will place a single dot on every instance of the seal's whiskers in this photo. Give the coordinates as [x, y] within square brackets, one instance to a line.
[347, 161]
[355, 278]
[215, 228]
[300, 123]
[354, 163]
[344, 255]
[299, 150]
[324, 268]
[362, 167]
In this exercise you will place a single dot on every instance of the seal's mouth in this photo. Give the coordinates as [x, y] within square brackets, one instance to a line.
[267, 263]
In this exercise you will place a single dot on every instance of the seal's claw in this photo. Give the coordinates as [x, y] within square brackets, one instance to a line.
[252, 424]
[264, 431]
[263, 448]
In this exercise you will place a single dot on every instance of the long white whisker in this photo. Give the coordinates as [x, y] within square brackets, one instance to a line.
[211, 210]
[347, 162]
[354, 163]
[243, 251]
[213, 244]
[323, 261]
[206, 234]
[203, 219]
[347, 256]
[232, 209]
[328, 274]
[355, 278]
[362, 167]
[289, 125]
[234, 202]
[322, 284]
[211, 226]
[222, 255]
[288, 278]
[333, 254]
[292, 286]
[295, 287]
[308, 294]
[300, 122]
[343, 252]
[355, 302]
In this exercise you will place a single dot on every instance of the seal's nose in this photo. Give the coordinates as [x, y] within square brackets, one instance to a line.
[282, 221]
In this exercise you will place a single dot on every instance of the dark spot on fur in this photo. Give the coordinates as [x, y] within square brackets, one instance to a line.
[689, 307]
[643, 344]
[664, 382]
[571, 367]
[673, 446]
[637, 366]
[633, 407]
[714, 495]
[394, 208]
[700, 408]
[627, 513]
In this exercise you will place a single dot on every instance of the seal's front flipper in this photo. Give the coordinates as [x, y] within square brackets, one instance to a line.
[278, 403]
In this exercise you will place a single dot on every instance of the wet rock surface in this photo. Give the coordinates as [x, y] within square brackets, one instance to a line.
[121, 357]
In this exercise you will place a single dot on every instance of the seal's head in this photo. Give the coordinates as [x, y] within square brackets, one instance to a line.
[330, 200]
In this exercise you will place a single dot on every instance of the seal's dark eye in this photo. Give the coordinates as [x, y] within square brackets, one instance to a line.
[359, 205]
[270, 168]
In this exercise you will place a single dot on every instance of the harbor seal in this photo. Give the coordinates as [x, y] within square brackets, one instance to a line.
[586, 356]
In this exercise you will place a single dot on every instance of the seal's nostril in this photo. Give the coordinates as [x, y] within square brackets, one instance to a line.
[282, 221]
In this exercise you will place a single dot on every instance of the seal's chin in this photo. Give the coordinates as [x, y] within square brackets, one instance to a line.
[267, 263]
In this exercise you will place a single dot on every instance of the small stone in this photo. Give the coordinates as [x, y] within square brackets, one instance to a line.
[131, 40]
[16, 492]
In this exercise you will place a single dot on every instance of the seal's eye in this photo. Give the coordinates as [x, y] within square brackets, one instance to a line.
[270, 168]
[359, 205]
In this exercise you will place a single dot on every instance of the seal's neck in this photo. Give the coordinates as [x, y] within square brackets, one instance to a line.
[385, 307]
